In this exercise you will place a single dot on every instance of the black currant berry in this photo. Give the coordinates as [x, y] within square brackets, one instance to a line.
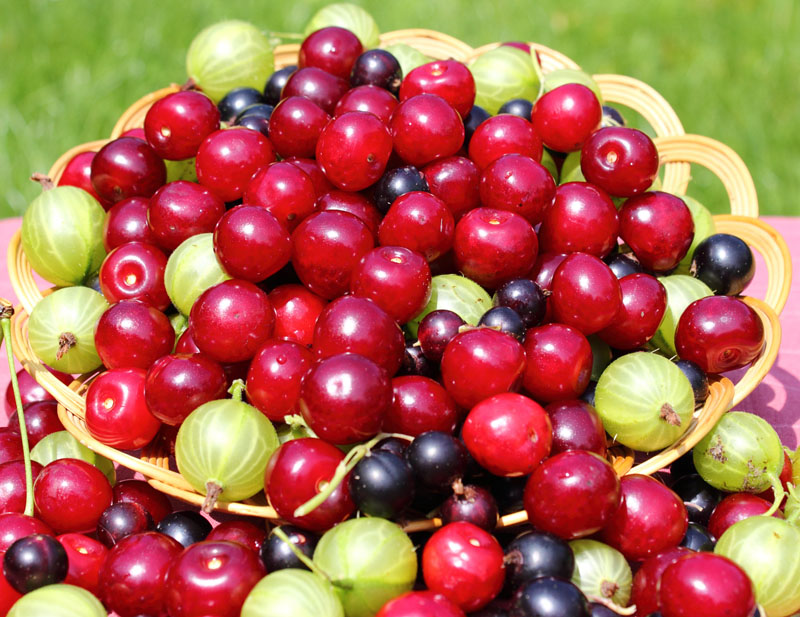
[437, 459]
[382, 484]
[698, 538]
[723, 262]
[185, 526]
[396, 182]
[472, 504]
[697, 378]
[377, 67]
[275, 84]
[277, 555]
[517, 107]
[236, 100]
[535, 554]
[473, 120]
[35, 561]
[699, 497]
[549, 597]
[525, 297]
[506, 320]
[622, 265]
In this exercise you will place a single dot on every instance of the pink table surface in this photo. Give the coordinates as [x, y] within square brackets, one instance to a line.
[777, 398]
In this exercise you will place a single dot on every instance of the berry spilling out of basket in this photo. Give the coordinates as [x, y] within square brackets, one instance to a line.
[410, 304]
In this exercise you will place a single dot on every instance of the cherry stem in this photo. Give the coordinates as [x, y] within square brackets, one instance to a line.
[5, 323]
[236, 390]
[778, 492]
[300, 555]
[612, 606]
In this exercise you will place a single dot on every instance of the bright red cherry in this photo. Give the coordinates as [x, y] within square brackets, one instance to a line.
[517, 183]
[455, 180]
[480, 363]
[735, 508]
[650, 519]
[719, 334]
[493, 246]
[296, 312]
[295, 126]
[418, 221]
[251, 244]
[231, 320]
[326, 247]
[465, 564]
[127, 167]
[644, 592]
[582, 218]
[566, 116]
[296, 472]
[127, 222]
[420, 404]
[576, 426]
[177, 124]
[420, 604]
[132, 334]
[424, 128]
[559, 363]
[504, 134]
[41, 419]
[572, 494]
[373, 99]
[352, 203]
[317, 85]
[508, 434]
[116, 411]
[285, 191]
[620, 160]
[135, 271]
[78, 172]
[275, 376]
[227, 159]
[331, 49]
[353, 150]
[181, 209]
[85, 557]
[449, 79]
[12, 484]
[322, 185]
[644, 301]
[249, 535]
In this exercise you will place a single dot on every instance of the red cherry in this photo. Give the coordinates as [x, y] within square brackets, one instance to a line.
[227, 159]
[285, 191]
[14, 526]
[30, 390]
[275, 376]
[78, 172]
[127, 222]
[622, 161]
[12, 484]
[373, 99]
[719, 333]
[295, 126]
[519, 184]
[508, 434]
[424, 128]
[135, 271]
[420, 604]
[420, 222]
[85, 557]
[179, 210]
[296, 312]
[139, 491]
[644, 592]
[651, 518]
[331, 49]
[455, 180]
[251, 244]
[644, 301]
[127, 167]
[465, 564]
[449, 79]
[480, 363]
[566, 116]
[319, 86]
[504, 134]
[322, 185]
[353, 150]
[576, 426]
[735, 508]
[352, 203]
[132, 334]
[572, 494]
[494, 246]
[177, 124]
[10, 445]
[41, 419]
[420, 404]
[249, 535]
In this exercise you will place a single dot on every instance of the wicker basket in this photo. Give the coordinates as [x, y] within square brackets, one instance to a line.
[676, 150]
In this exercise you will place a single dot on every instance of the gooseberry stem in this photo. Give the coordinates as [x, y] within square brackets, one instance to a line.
[6, 311]
[778, 492]
[236, 390]
[300, 555]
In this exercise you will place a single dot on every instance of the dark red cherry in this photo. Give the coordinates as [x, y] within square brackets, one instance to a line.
[14, 526]
[181, 209]
[644, 301]
[352, 203]
[377, 67]
[435, 331]
[517, 183]
[10, 445]
[41, 419]
[421, 222]
[138, 491]
[317, 85]
[644, 592]
[275, 376]
[295, 126]
[331, 49]
[127, 222]
[85, 557]
[285, 191]
[576, 426]
[249, 535]
[425, 127]
[296, 312]
[30, 390]
[132, 334]
[12, 485]
[559, 363]
[127, 167]
[120, 520]
[504, 134]
[251, 244]
[420, 404]
[78, 172]
[449, 79]
[455, 180]
[622, 161]
[474, 504]
[565, 116]
[177, 124]
[135, 271]
[372, 99]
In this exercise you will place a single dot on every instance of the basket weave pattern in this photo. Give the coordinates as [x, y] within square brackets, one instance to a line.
[677, 151]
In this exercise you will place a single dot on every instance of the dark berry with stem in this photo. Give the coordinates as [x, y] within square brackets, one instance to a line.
[470, 503]
[277, 555]
[437, 459]
[382, 484]
[534, 554]
[35, 561]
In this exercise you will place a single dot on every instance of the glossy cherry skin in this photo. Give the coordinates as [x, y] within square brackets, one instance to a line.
[377, 67]
[186, 526]
[559, 363]
[30, 390]
[275, 376]
[326, 247]
[317, 85]
[572, 494]
[41, 419]
[705, 585]
[420, 404]
[456, 181]
[177, 124]
[465, 564]
[733, 509]
[396, 279]
[12, 485]
[658, 227]
[586, 294]
[576, 426]
[352, 203]
[296, 312]
[116, 411]
[132, 334]
[284, 190]
[70, 495]
[448, 79]
[14, 526]
[138, 491]
[10, 445]
[622, 161]
[250, 535]
[504, 134]
[127, 167]
[251, 244]
[565, 116]
[8, 595]
[344, 398]
[294, 475]
[181, 209]
[436, 330]
[135, 271]
[85, 557]
[644, 301]
[133, 575]
[372, 99]
[494, 246]
[420, 222]
[179, 383]
[78, 172]
[231, 320]
[420, 604]
[650, 519]
[517, 183]
[120, 520]
[353, 150]
[480, 363]
[331, 49]
[719, 333]
[127, 222]
[644, 592]
[425, 128]
[227, 159]
[295, 126]
[582, 218]
[211, 578]
[508, 434]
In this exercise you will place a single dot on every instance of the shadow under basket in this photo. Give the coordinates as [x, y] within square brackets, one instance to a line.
[677, 152]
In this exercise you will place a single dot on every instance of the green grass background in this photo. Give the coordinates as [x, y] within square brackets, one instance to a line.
[730, 68]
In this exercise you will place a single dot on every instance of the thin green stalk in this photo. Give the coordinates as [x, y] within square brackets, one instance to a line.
[5, 322]
[300, 555]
